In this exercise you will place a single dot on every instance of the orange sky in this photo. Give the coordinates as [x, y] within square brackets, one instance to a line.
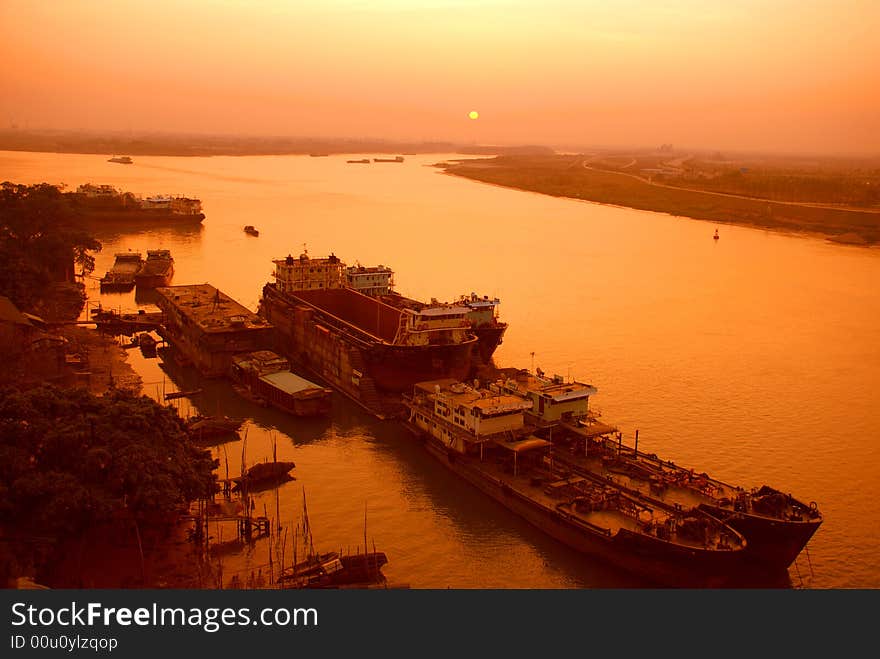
[748, 74]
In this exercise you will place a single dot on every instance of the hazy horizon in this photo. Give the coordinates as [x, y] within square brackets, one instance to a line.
[794, 77]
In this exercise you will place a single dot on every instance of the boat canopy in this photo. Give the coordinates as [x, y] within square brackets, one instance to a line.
[528, 444]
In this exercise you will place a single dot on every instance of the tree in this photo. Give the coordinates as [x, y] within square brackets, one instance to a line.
[70, 460]
[39, 245]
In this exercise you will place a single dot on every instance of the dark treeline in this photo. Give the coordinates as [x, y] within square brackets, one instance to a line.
[41, 248]
[71, 461]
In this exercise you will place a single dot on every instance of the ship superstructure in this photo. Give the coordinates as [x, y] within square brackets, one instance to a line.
[369, 350]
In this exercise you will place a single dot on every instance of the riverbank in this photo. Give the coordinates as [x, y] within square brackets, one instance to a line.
[103, 362]
[567, 176]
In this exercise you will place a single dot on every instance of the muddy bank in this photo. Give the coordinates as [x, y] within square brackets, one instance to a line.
[565, 176]
[98, 362]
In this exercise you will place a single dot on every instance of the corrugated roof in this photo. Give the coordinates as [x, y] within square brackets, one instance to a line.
[289, 382]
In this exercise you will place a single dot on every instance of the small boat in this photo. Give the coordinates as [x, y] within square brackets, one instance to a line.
[147, 344]
[263, 475]
[122, 160]
[362, 569]
[181, 394]
[716, 236]
[210, 427]
[251, 231]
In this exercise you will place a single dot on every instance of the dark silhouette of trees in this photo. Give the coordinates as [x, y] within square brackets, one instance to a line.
[39, 245]
[70, 460]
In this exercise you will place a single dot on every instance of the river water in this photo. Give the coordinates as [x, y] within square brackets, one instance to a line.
[755, 358]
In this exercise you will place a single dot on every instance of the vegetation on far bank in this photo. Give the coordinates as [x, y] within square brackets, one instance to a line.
[582, 178]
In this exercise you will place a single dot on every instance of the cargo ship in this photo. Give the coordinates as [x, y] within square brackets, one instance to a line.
[481, 314]
[105, 203]
[157, 270]
[482, 311]
[395, 159]
[121, 277]
[266, 376]
[776, 526]
[122, 160]
[368, 350]
[481, 436]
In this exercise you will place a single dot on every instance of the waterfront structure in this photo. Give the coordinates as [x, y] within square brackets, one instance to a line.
[210, 328]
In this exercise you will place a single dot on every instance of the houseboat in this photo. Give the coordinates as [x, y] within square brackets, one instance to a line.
[266, 376]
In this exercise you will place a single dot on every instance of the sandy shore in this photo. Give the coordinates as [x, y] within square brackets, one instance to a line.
[566, 177]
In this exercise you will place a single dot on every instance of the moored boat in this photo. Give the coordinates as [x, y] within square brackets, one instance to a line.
[776, 526]
[212, 427]
[104, 203]
[147, 343]
[264, 474]
[366, 349]
[482, 314]
[481, 436]
[267, 376]
[331, 569]
[121, 277]
[157, 270]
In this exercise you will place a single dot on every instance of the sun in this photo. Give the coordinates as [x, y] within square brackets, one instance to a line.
[473, 114]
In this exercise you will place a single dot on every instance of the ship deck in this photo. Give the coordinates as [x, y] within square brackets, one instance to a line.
[289, 382]
[556, 491]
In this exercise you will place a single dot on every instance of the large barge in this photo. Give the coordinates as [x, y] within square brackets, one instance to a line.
[776, 526]
[210, 328]
[482, 311]
[104, 203]
[157, 269]
[368, 350]
[480, 435]
[121, 277]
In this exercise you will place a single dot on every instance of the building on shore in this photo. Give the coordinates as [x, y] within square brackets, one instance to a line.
[209, 327]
